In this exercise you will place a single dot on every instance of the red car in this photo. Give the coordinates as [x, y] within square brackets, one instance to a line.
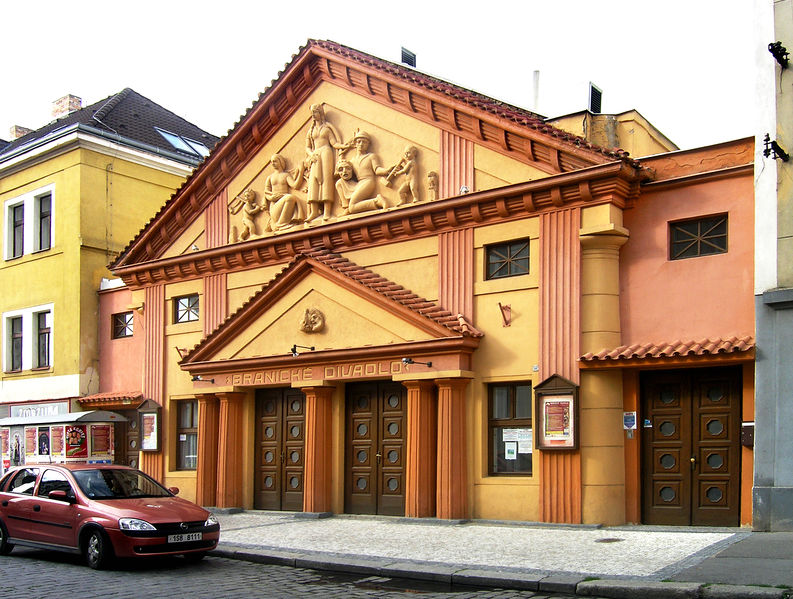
[102, 511]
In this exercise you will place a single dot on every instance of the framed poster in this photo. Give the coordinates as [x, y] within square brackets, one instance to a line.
[76, 441]
[556, 410]
[149, 431]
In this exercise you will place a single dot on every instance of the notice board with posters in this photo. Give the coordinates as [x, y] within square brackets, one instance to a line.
[556, 411]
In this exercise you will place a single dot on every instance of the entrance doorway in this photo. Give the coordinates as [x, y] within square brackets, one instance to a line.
[375, 448]
[691, 447]
[280, 426]
[126, 436]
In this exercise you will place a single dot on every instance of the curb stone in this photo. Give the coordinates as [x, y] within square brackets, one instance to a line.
[630, 589]
[730, 591]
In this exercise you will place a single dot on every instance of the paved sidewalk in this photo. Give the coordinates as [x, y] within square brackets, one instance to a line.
[625, 561]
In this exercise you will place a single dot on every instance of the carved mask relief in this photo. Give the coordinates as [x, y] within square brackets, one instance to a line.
[333, 178]
[313, 321]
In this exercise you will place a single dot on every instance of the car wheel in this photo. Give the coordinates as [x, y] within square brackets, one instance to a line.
[194, 558]
[98, 551]
[5, 546]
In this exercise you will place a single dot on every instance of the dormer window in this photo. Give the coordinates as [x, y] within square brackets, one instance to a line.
[184, 144]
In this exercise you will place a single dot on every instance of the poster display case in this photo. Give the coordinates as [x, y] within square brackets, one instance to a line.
[556, 411]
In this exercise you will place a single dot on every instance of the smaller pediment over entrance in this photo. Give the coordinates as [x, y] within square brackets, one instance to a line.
[327, 303]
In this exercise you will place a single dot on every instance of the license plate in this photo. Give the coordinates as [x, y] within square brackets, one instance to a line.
[192, 536]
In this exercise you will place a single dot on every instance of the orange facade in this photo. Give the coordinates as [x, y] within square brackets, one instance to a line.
[373, 347]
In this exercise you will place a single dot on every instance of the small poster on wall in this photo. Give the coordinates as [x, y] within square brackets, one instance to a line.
[76, 441]
[56, 440]
[44, 441]
[556, 410]
[100, 440]
[30, 444]
[149, 432]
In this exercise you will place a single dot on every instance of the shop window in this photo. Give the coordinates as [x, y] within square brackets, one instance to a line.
[698, 237]
[510, 428]
[186, 308]
[122, 325]
[507, 259]
[187, 435]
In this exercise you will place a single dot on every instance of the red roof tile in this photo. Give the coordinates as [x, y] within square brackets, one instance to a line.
[671, 349]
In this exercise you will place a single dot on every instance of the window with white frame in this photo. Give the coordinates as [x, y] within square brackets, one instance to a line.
[28, 223]
[27, 338]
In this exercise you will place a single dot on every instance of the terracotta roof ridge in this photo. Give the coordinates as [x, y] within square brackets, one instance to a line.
[678, 347]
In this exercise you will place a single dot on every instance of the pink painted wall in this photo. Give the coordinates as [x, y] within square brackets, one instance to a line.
[705, 297]
[120, 360]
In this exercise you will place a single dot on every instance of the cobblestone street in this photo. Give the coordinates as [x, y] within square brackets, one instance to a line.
[36, 574]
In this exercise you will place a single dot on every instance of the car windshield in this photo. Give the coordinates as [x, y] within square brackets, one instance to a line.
[118, 484]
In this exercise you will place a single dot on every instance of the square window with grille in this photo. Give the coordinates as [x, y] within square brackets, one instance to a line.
[698, 237]
[122, 325]
[186, 308]
[507, 259]
[510, 428]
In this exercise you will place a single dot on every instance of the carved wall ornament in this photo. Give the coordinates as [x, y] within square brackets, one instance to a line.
[333, 179]
[313, 321]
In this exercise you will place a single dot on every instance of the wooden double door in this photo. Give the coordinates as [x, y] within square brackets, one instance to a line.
[280, 444]
[691, 447]
[375, 448]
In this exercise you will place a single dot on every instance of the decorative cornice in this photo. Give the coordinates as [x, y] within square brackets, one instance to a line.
[508, 130]
[617, 183]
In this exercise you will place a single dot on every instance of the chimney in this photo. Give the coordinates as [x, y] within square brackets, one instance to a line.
[18, 131]
[66, 105]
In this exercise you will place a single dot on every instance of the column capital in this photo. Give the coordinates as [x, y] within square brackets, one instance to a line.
[456, 383]
[421, 384]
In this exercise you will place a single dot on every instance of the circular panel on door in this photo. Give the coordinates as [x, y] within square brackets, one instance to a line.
[714, 494]
[362, 402]
[667, 494]
[393, 401]
[362, 456]
[294, 482]
[362, 430]
[667, 396]
[715, 427]
[715, 393]
[295, 431]
[295, 457]
[393, 456]
[393, 428]
[667, 428]
[361, 483]
[268, 457]
[269, 407]
[393, 484]
[715, 461]
[668, 461]
[269, 432]
[268, 481]
[296, 405]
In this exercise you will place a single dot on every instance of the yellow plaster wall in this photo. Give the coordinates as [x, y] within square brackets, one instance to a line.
[245, 284]
[492, 170]
[350, 321]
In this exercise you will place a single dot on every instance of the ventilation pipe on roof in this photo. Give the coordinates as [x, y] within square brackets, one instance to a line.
[408, 57]
[536, 104]
[595, 98]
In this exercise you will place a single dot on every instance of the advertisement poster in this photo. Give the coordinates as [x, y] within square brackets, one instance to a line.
[17, 449]
[557, 418]
[4, 436]
[149, 433]
[100, 440]
[511, 450]
[56, 440]
[76, 441]
[557, 422]
[30, 443]
[44, 440]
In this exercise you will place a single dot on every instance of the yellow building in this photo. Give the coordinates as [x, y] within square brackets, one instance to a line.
[383, 293]
[73, 193]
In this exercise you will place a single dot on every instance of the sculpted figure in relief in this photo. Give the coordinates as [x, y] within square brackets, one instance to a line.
[409, 190]
[285, 208]
[245, 202]
[366, 167]
[432, 185]
[321, 140]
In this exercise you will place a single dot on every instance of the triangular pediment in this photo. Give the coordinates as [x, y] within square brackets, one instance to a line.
[397, 107]
[324, 301]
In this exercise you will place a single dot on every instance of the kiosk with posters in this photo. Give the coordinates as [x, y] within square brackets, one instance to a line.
[58, 438]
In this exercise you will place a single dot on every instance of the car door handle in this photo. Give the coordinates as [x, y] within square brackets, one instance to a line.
[36, 508]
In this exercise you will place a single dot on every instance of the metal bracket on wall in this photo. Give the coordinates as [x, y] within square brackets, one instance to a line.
[506, 313]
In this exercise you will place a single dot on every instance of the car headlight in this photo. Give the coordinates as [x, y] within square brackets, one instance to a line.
[211, 521]
[134, 524]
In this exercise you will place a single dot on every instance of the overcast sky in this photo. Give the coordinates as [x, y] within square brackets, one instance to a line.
[686, 65]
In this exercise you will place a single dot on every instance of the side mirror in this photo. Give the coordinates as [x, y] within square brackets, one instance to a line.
[174, 490]
[61, 496]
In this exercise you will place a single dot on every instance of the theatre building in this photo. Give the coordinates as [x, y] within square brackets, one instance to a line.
[385, 294]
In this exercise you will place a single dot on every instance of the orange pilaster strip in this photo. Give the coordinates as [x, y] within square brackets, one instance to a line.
[207, 472]
[152, 464]
[452, 494]
[318, 456]
[229, 481]
[630, 394]
[456, 272]
[561, 494]
[420, 487]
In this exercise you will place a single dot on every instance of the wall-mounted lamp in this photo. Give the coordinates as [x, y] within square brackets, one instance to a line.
[198, 378]
[772, 147]
[294, 351]
[407, 361]
[779, 52]
[182, 351]
[194, 248]
[464, 189]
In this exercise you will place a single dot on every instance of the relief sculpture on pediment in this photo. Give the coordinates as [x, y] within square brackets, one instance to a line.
[332, 179]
